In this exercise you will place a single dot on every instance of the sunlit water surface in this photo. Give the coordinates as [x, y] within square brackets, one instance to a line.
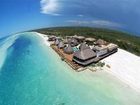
[31, 73]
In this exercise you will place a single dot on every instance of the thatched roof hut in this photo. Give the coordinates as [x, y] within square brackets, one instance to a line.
[101, 42]
[84, 57]
[112, 46]
[100, 50]
[83, 46]
[65, 41]
[61, 45]
[52, 38]
[57, 42]
[68, 49]
[73, 42]
[85, 54]
[79, 38]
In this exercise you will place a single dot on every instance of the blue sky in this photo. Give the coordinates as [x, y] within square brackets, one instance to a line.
[20, 15]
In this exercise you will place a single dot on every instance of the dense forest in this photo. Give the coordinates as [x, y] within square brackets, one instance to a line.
[124, 40]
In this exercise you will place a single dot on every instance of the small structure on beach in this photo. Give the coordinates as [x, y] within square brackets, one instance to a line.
[57, 41]
[100, 51]
[90, 41]
[79, 38]
[84, 46]
[52, 38]
[112, 47]
[101, 42]
[85, 57]
[68, 49]
[61, 45]
[65, 41]
[73, 42]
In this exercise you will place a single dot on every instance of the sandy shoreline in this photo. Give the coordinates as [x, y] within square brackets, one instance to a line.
[44, 37]
[123, 65]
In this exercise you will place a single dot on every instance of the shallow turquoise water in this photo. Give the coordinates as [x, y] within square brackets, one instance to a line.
[33, 74]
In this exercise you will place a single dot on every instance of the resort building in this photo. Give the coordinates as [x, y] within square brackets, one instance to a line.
[100, 51]
[81, 51]
[112, 47]
[85, 57]
[57, 41]
[68, 49]
[52, 38]
[66, 41]
[61, 45]
[84, 46]
[100, 42]
[73, 42]
[80, 39]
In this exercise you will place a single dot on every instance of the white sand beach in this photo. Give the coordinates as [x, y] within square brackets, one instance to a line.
[44, 37]
[125, 66]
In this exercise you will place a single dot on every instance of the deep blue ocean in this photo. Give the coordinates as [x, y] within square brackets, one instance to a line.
[31, 73]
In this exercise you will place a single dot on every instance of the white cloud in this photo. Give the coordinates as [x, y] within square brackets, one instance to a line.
[80, 15]
[78, 22]
[101, 23]
[106, 23]
[49, 7]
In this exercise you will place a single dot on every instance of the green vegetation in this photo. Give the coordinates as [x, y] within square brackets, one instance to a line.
[99, 64]
[124, 40]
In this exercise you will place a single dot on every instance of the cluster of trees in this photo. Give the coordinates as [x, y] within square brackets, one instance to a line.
[124, 40]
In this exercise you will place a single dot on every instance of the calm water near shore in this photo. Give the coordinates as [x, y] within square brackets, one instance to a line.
[31, 73]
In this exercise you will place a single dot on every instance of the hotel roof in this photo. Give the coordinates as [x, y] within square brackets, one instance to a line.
[73, 41]
[83, 46]
[112, 46]
[101, 42]
[61, 45]
[85, 54]
[68, 49]
[57, 42]
[100, 48]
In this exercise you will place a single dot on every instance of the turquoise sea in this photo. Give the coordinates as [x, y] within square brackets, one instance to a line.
[31, 73]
